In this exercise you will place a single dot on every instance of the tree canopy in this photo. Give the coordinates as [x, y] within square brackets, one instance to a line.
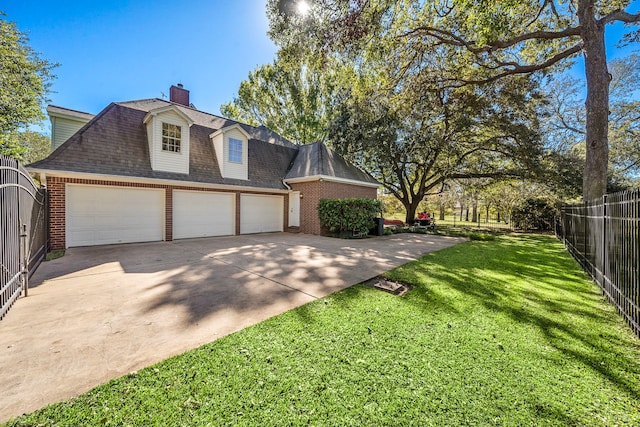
[25, 79]
[292, 99]
[483, 40]
[565, 125]
[415, 136]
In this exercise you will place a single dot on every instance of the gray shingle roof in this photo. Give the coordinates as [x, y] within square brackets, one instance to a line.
[318, 159]
[210, 121]
[114, 142]
[69, 112]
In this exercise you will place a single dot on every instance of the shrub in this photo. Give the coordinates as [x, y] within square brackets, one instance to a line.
[534, 214]
[349, 216]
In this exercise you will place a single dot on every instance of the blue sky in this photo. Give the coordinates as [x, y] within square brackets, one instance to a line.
[122, 50]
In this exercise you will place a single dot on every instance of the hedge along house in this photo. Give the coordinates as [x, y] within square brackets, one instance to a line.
[154, 170]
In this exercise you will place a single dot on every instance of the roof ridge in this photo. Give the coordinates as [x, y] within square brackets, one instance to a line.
[183, 106]
[260, 128]
[70, 109]
[76, 136]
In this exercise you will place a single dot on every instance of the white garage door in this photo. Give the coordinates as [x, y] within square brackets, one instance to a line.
[105, 215]
[203, 214]
[261, 214]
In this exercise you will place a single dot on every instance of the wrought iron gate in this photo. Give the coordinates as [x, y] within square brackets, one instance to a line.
[24, 234]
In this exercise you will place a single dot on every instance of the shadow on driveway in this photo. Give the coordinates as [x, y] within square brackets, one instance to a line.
[101, 312]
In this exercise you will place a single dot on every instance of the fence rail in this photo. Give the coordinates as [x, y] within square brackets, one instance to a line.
[482, 221]
[23, 230]
[604, 236]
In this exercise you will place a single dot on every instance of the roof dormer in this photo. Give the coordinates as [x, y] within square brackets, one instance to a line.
[64, 123]
[231, 144]
[168, 137]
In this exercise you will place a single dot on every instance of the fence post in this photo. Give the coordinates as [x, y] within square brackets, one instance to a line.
[25, 258]
[584, 231]
[605, 212]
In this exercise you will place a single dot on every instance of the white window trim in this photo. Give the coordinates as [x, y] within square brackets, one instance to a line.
[179, 140]
[234, 141]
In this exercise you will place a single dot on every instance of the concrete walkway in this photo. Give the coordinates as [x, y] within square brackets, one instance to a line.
[99, 313]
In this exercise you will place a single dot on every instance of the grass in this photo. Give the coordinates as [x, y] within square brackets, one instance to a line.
[471, 234]
[500, 332]
[55, 254]
[454, 221]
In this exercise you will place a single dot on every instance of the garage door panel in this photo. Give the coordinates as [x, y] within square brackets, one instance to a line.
[261, 213]
[105, 215]
[203, 214]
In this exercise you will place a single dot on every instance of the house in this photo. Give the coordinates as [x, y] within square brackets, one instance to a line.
[154, 170]
[64, 123]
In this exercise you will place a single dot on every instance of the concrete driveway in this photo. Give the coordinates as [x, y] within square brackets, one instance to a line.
[99, 313]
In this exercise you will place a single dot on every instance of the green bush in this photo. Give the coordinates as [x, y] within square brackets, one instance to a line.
[349, 217]
[534, 214]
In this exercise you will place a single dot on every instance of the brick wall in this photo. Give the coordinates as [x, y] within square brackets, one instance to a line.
[57, 207]
[313, 191]
[57, 196]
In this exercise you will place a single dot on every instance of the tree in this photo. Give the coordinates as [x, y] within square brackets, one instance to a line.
[292, 99]
[413, 141]
[25, 79]
[565, 126]
[499, 39]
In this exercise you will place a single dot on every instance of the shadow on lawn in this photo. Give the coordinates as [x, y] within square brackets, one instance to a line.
[553, 298]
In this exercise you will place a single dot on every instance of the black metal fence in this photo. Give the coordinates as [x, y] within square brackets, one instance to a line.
[604, 236]
[23, 230]
[481, 221]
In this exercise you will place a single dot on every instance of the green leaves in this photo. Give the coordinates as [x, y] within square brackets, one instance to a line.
[25, 79]
[27, 146]
[292, 99]
[349, 216]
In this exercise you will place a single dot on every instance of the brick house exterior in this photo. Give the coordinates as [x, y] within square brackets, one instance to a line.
[313, 191]
[167, 148]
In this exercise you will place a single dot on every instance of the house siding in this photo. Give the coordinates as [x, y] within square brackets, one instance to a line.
[57, 204]
[218, 146]
[164, 160]
[313, 191]
[62, 129]
[235, 170]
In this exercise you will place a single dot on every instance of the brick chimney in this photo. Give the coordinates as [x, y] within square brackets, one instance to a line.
[179, 95]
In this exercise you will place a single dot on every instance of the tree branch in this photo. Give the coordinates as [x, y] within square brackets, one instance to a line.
[485, 175]
[525, 69]
[450, 38]
[620, 16]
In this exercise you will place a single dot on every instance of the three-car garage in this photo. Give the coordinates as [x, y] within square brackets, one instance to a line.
[101, 215]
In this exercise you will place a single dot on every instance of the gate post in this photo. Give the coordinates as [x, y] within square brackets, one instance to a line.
[25, 259]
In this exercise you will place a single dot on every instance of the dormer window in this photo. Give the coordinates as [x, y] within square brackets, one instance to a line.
[231, 145]
[235, 150]
[171, 137]
[168, 134]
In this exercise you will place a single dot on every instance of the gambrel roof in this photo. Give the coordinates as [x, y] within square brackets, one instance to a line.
[114, 142]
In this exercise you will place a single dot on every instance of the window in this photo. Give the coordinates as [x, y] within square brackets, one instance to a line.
[171, 137]
[235, 150]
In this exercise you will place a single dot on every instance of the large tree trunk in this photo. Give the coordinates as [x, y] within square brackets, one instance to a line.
[594, 182]
[442, 211]
[411, 209]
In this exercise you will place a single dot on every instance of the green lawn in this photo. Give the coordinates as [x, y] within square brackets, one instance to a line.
[501, 332]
